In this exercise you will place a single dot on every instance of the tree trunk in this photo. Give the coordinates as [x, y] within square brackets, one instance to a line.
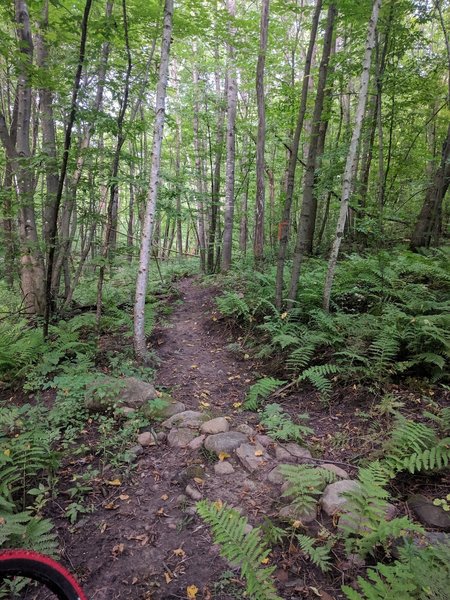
[351, 156]
[429, 217]
[307, 220]
[230, 143]
[199, 175]
[140, 347]
[258, 239]
[284, 225]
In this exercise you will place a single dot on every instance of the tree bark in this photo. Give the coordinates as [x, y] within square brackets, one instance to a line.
[258, 239]
[230, 143]
[139, 341]
[307, 219]
[286, 218]
[348, 176]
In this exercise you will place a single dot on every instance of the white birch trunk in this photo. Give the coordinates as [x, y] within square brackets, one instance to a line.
[140, 347]
[347, 184]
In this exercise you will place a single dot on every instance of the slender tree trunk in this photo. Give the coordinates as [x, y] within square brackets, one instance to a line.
[429, 217]
[351, 156]
[140, 347]
[286, 218]
[258, 239]
[230, 143]
[307, 220]
[199, 175]
[130, 229]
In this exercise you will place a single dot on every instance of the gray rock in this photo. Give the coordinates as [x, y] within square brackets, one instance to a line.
[134, 452]
[217, 425]
[180, 438]
[197, 442]
[249, 485]
[275, 476]
[298, 451]
[428, 514]
[193, 493]
[181, 500]
[336, 470]
[282, 455]
[127, 410]
[244, 428]
[191, 472]
[291, 513]
[191, 510]
[225, 442]
[333, 499]
[161, 436]
[264, 440]
[174, 408]
[223, 468]
[192, 419]
[252, 456]
[129, 391]
[146, 438]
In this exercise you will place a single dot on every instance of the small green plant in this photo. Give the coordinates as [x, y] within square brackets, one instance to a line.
[444, 503]
[318, 555]
[75, 509]
[305, 484]
[246, 550]
[280, 426]
[261, 390]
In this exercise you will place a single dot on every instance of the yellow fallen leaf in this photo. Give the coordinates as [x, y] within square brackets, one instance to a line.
[223, 455]
[199, 480]
[194, 366]
[237, 404]
[218, 504]
[124, 497]
[111, 506]
[167, 577]
[164, 497]
[7, 452]
[283, 315]
[259, 452]
[179, 552]
[296, 524]
[114, 482]
[103, 527]
[192, 591]
[204, 404]
[265, 561]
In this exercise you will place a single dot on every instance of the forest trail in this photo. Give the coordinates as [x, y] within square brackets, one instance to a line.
[145, 541]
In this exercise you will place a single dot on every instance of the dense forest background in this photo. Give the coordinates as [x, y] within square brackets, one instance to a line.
[292, 154]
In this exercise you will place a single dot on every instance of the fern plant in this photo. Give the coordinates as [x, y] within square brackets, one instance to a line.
[245, 550]
[318, 555]
[20, 348]
[261, 390]
[305, 484]
[280, 426]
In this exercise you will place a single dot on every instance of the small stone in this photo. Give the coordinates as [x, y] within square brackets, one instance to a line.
[264, 440]
[193, 493]
[180, 438]
[291, 513]
[190, 472]
[196, 443]
[174, 408]
[336, 470]
[248, 528]
[223, 468]
[181, 500]
[275, 476]
[127, 410]
[225, 442]
[249, 485]
[429, 514]
[217, 425]
[192, 419]
[244, 428]
[298, 451]
[146, 438]
[161, 436]
[191, 510]
[134, 452]
[252, 456]
[333, 500]
[282, 455]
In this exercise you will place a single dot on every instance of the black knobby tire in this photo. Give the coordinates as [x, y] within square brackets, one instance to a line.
[35, 566]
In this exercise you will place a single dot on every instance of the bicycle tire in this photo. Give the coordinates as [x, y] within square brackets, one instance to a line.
[41, 568]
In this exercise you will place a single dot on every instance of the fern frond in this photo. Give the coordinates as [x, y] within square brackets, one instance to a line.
[245, 550]
[262, 389]
[305, 484]
[319, 555]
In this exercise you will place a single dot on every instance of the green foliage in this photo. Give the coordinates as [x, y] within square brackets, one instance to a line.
[419, 574]
[23, 530]
[20, 348]
[415, 447]
[261, 390]
[246, 550]
[280, 426]
[305, 484]
[318, 555]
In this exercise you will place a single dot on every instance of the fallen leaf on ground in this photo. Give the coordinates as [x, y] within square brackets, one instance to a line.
[124, 497]
[223, 455]
[118, 549]
[167, 577]
[114, 482]
[179, 552]
[199, 480]
[111, 506]
[164, 497]
[192, 591]
[259, 452]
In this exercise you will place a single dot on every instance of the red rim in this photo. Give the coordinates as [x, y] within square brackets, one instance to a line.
[27, 560]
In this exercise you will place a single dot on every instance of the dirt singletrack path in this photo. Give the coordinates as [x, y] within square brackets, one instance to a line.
[147, 543]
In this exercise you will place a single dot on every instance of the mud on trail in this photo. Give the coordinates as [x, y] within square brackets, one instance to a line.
[146, 542]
